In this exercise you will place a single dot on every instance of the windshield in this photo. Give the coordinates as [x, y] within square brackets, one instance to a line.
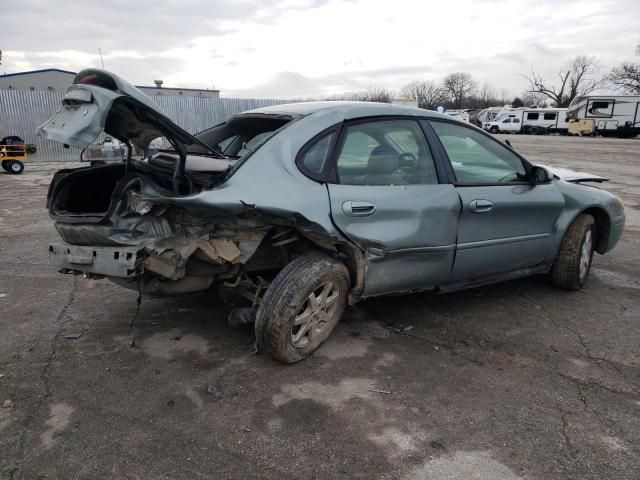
[242, 134]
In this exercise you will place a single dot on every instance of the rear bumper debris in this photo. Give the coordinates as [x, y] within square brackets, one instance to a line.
[123, 262]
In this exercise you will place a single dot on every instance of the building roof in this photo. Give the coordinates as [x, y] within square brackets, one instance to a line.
[177, 88]
[42, 70]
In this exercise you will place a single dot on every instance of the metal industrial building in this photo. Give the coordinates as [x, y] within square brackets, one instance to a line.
[57, 80]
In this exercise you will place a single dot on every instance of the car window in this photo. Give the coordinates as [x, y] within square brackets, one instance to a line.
[516, 120]
[476, 158]
[508, 120]
[224, 144]
[388, 152]
[253, 142]
[316, 155]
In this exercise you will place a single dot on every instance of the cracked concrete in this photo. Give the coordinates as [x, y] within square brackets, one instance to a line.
[518, 380]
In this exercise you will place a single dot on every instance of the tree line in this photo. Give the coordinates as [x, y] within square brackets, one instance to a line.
[459, 90]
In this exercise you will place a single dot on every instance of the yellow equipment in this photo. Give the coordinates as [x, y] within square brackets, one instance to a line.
[581, 127]
[13, 151]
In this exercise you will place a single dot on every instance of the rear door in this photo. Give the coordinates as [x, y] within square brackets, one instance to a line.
[507, 223]
[386, 197]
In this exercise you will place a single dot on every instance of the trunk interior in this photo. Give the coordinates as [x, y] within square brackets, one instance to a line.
[84, 193]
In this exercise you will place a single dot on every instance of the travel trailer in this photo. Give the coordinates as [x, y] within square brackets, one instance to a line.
[616, 116]
[488, 115]
[459, 114]
[535, 121]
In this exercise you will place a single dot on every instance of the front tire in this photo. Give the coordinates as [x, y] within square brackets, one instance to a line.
[494, 130]
[573, 263]
[15, 167]
[302, 306]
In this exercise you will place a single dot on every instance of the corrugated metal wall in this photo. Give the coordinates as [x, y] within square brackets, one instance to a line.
[21, 112]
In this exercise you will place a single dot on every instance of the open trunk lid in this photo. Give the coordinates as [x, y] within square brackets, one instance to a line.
[99, 100]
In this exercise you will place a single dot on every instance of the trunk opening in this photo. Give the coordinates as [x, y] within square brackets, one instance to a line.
[87, 193]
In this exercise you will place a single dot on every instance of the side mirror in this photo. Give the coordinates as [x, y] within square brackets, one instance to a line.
[540, 175]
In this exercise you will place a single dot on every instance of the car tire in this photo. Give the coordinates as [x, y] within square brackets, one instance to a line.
[15, 167]
[573, 262]
[5, 165]
[494, 130]
[302, 306]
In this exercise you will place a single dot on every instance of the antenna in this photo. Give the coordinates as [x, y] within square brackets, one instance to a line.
[101, 61]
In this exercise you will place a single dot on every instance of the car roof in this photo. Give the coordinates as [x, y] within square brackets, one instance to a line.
[345, 108]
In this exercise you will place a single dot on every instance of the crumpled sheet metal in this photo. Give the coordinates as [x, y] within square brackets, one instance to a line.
[169, 256]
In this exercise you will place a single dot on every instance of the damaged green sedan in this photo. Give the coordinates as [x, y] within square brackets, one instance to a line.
[301, 209]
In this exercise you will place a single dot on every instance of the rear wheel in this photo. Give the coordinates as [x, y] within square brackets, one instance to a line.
[302, 306]
[573, 263]
[5, 165]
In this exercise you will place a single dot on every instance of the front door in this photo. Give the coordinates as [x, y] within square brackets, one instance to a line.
[507, 223]
[388, 201]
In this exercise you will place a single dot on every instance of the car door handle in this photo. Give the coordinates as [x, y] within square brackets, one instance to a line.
[480, 206]
[358, 209]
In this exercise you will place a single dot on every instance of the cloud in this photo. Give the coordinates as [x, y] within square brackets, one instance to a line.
[300, 48]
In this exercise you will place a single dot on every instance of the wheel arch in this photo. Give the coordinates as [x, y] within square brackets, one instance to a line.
[350, 255]
[603, 226]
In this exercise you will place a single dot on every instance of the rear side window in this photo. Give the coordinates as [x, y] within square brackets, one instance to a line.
[533, 116]
[314, 157]
[549, 116]
[387, 152]
[477, 158]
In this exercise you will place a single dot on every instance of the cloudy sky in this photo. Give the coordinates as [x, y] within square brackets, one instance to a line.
[315, 48]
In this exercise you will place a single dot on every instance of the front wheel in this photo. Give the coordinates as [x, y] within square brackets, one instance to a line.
[302, 306]
[573, 263]
[14, 167]
[494, 130]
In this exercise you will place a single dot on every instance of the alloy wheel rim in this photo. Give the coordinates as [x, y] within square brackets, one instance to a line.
[585, 256]
[15, 167]
[316, 315]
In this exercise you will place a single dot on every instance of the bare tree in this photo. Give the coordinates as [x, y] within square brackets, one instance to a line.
[458, 86]
[487, 96]
[378, 94]
[534, 98]
[504, 96]
[626, 77]
[517, 103]
[373, 94]
[426, 93]
[577, 77]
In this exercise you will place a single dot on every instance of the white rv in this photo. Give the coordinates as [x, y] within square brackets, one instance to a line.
[534, 121]
[488, 115]
[612, 115]
[459, 114]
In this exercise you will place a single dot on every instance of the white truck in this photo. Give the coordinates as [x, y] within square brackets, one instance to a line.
[615, 116]
[535, 121]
